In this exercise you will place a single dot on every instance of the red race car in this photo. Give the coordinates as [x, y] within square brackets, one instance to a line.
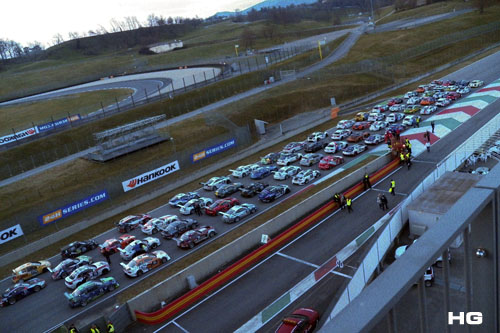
[355, 137]
[301, 320]
[453, 96]
[112, 245]
[221, 205]
[361, 125]
[394, 101]
[330, 161]
[192, 237]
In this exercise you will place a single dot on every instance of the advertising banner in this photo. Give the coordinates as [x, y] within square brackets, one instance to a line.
[73, 208]
[58, 123]
[10, 233]
[213, 150]
[150, 176]
[18, 136]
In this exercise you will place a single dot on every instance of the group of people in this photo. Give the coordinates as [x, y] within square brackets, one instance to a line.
[197, 208]
[343, 201]
[110, 328]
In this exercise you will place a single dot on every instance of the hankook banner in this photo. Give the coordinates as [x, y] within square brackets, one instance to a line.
[150, 176]
[10, 233]
[18, 136]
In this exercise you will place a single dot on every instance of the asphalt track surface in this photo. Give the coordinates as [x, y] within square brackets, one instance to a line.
[233, 305]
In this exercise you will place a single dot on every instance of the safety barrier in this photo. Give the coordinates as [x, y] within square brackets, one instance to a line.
[381, 167]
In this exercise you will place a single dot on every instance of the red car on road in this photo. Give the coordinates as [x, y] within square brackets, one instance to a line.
[355, 137]
[330, 161]
[112, 245]
[394, 101]
[221, 205]
[192, 237]
[453, 96]
[361, 125]
[301, 320]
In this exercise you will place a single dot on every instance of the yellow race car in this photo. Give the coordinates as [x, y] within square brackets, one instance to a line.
[29, 270]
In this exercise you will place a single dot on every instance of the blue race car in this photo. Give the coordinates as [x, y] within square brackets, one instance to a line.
[90, 290]
[183, 198]
[272, 193]
[263, 172]
[67, 266]
[20, 290]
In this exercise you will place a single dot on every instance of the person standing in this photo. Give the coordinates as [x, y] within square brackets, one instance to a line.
[432, 125]
[72, 329]
[418, 121]
[409, 147]
[349, 205]
[110, 327]
[342, 201]
[428, 146]
[366, 181]
[336, 198]
[94, 329]
[392, 189]
[427, 135]
[408, 160]
[401, 158]
[379, 201]
[384, 202]
[197, 208]
[106, 255]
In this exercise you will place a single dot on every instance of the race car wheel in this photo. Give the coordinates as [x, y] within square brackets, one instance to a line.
[139, 273]
[164, 259]
[63, 275]
[211, 234]
[84, 249]
[154, 246]
[428, 283]
[176, 235]
[236, 219]
[12, 300]
[253, 210]
[37, 288]
[287, 190]
[105, 271]
[127, 229]
[154, 231]
[84, 303]
[191, 245]
[111, 287]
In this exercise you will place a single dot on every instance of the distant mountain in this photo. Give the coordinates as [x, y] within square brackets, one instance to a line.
[266, 4]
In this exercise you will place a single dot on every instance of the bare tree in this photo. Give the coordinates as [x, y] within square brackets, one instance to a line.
[115, 25]
[132, 23]
[73, 35]
[57, 39]
[170, 20]
[102, 30]
[247, 38]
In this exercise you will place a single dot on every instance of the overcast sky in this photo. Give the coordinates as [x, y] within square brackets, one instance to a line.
[25, 21]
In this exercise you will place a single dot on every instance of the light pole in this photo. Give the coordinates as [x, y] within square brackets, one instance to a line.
[236, 49]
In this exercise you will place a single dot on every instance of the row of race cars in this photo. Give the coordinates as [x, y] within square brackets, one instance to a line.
[84, 276]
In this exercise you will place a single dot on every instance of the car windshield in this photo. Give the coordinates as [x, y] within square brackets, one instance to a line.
[62, 264]
[132, 264]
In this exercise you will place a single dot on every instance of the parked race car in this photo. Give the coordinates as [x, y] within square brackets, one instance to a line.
[396, 127]
[286, 172]
[463, 90]
[139, 247]
[65, 267]
[341, 134]
[310, 159]
[378, 125]
[427, 101]
[413, 100]
[345, 124]
[112, 245]
[144, 263]
[314, 146]
[29, 270]
[380, 108]
[374, 116]
[252, 189]
[177, 228]
[182, 198]
[453, 96]
[131, 222]
[356, 137]
[335, 146]
[274, 192]
[221, 205]
[269, 158]
[412, 109]
[263, 172]
[188, 208]
[157, 224]
[293, 147]
[85, 273]
[361, 125]
[397, 108]
[317, 136]
[215, 182]
[243, 170]
[192, 237]
[394, 117]
[354, 150]
[289, 158]
[443, 102]
[227, 190]
[77, 248]
[91, 290]
[360, 116]
[476, 83]
[301, 320]
[374, 139]
[410, 94]
[411, 120]
[305, 176]
[21, 290]
[428, 109]
[329, 162]
[238, 212]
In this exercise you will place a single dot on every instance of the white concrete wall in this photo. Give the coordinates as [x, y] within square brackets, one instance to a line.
[166, 47]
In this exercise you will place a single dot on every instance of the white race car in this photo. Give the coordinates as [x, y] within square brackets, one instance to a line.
[374, 116]
[144, 263]
[316, 136]
[188, 208]
[244, 170]
[378, 125]
[341, 134]
[288, 158]
[157, 224]
[238, 212]
[345, 124]
[413, 100]
[336, 146]
[374, 139]
[215, 182]
[86, 273]
[476, 83]
[395, 117]
[463, 90]
[410, 120]
[354, 150]
[305, 176]
[443, 102]
[410, 94]
[139, 247]
[428, 109]
[397, 108]
[286, 172]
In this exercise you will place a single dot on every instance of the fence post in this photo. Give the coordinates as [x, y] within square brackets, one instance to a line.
[173, 89]
[159, 92]
[102, 108]
[248, 62]
[184, 82]
[213, 72]
[117, 105]
[194, 80]
[239, 66]
[132, 98]
[205, 76]
[146, 93]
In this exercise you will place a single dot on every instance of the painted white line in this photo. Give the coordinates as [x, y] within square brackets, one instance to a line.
[352, 267]
[180, 327]
[297, 260]
[420, 161]
[341, 274]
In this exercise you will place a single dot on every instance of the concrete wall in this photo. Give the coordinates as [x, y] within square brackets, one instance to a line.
[204, 268]
[166, 47]
[85, 223]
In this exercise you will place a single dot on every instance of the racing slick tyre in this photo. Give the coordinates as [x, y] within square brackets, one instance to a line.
[139, 273]
[37, 288]
[127, 229]
[154, 231]
[191, 245]
[428, 283]
[164, 259]
[287, 190]
[83, 303]
[105, 271]
[154, 246]
[176, 235]
[12, 300]
[211, 234]
[111, 287]
[237, 219]
[253, 210]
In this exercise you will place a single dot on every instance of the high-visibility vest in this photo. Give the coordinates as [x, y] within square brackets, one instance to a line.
[111, 328]
[418, 120]
[94, 330]
[72, 330]
[366, 176]
[393, 183]
[409, 145]
[349, 202]
[408, 155]
[402, 156]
